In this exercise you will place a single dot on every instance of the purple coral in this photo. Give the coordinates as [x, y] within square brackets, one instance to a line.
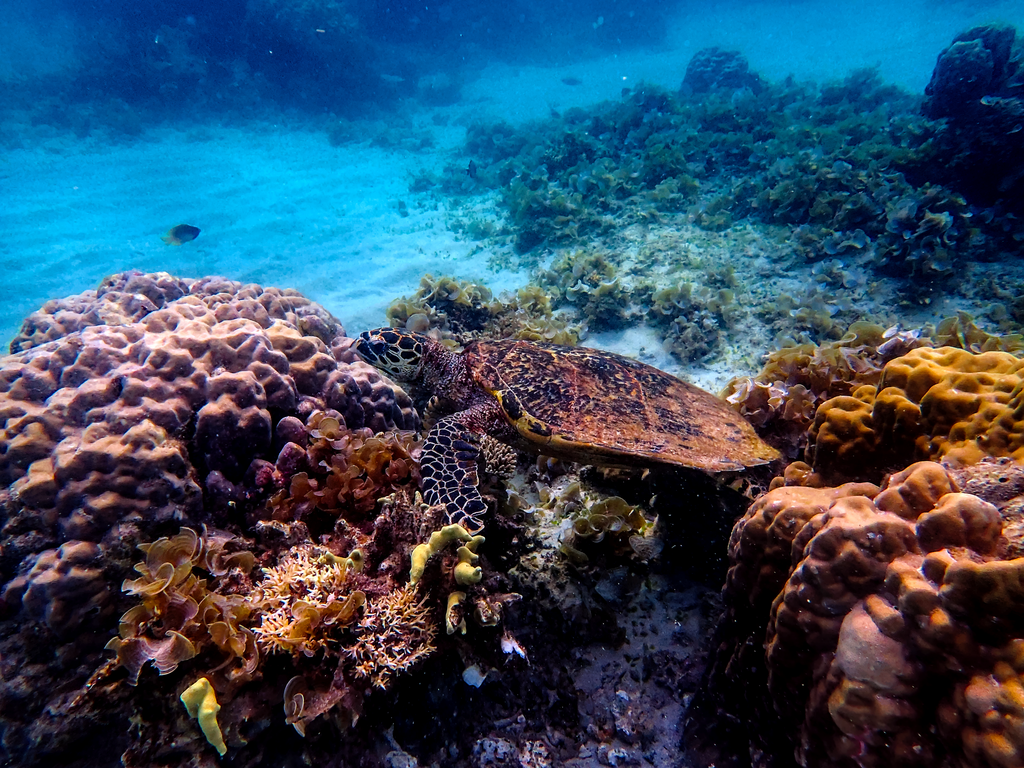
[128, 412]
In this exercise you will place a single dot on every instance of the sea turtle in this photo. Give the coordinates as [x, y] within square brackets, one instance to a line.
[574, 403]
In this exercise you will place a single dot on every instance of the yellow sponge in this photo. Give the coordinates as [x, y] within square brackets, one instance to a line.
[201, 703]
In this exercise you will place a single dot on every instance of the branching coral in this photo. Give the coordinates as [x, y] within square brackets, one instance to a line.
[395, 633]
[303, 598]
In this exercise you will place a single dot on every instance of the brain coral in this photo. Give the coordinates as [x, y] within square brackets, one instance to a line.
[928, 404]
[135, 406]
[894, 630]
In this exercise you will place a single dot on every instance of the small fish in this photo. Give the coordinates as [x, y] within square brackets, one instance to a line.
[471, 170]
[574, 81]
[183, 233]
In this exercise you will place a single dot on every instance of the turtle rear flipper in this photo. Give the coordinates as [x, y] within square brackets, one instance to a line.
[448, 466]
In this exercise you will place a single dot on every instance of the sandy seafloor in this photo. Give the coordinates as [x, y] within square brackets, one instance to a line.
[279, 205]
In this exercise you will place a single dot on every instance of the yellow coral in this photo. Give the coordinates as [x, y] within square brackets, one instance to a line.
[201, 703]
[928, 404]
[466, 570]
[439, 540]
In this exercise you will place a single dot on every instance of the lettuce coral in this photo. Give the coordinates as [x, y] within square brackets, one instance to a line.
[340, 470]
[843, 162]
[456, 311]
[178, 614]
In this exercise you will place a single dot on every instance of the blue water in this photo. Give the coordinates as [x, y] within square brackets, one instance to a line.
[122, 119]
[348, 148]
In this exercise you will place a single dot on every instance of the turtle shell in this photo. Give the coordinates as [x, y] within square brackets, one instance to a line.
[597, 407]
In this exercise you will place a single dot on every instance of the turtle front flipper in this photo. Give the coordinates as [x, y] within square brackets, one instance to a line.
[448, 468]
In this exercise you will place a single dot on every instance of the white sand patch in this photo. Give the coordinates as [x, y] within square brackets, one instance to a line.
[281, 206]
[277, 207]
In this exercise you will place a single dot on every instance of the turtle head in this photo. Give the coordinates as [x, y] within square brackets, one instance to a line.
[397, 353]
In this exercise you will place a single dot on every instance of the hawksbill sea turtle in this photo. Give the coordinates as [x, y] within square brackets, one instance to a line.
[573, 403]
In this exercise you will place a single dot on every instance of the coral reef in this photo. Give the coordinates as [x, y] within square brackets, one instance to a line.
[930, 403]
[273, 614]
[726, 149]
[152, 403]
[712, 68]
[976, 87]
[891, 623]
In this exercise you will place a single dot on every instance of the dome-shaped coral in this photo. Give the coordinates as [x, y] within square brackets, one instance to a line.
[891, 621]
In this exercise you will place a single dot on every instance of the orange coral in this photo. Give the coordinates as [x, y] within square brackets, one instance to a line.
[896, 633]
[353, 469]
[929, 404]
